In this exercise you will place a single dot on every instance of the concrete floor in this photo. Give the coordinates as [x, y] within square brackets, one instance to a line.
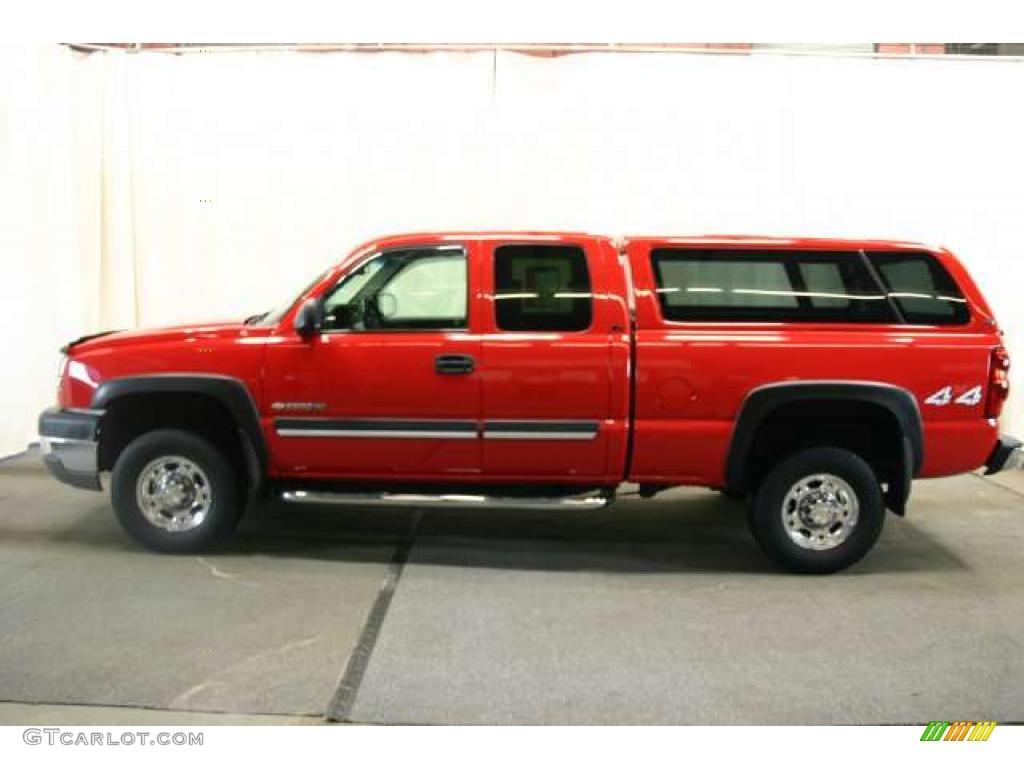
[650, 612]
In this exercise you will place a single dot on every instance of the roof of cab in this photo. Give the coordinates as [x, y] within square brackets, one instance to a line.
[411, 238]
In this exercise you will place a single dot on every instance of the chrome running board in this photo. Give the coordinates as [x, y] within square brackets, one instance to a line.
[581, 502]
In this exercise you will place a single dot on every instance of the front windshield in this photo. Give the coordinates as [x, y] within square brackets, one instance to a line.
[274, 316]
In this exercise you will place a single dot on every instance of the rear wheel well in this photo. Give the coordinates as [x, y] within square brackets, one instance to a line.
[129, 416]
[867, 429]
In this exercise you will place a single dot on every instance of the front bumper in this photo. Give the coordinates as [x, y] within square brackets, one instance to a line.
[1007, 454]
[69, 443]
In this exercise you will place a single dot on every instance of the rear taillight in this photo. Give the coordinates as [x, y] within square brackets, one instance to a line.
[998, 382]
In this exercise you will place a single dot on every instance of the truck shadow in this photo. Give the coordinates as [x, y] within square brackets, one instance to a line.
[684, 530]
[696, 531]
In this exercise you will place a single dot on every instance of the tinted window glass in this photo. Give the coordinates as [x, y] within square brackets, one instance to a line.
[742, 285]
[921, 287]
[824, 283]
[401, 290]
[541, 288]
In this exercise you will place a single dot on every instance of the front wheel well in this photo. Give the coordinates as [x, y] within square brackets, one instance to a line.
[130, 416]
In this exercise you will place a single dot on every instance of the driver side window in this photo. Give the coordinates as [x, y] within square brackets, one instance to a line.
[402, 290]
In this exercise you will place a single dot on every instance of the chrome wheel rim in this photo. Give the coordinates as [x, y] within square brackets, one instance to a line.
[820, 512]
[174, 493]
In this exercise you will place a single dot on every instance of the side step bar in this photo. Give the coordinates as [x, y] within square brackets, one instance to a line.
[580, 502]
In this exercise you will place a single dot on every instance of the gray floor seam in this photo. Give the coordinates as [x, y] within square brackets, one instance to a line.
[153, 708]
[1000, 485]
[344, 697]
[13, 456]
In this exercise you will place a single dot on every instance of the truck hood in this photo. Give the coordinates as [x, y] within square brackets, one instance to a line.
[173, 333]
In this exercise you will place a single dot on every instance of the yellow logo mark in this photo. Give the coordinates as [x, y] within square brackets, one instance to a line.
[982, 731]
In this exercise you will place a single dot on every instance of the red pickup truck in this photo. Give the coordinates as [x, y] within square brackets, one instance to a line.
[816, 377]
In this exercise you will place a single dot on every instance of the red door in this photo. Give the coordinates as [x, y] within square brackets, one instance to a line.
[391, 387]
[553, 361]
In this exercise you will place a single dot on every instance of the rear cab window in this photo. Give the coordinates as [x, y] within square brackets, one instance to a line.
[541, 287]
[776, 285]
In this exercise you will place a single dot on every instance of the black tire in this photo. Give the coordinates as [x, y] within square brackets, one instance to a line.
[770, 530]
[226, 497]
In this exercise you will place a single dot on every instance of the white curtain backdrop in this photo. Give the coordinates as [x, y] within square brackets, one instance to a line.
[144, 189]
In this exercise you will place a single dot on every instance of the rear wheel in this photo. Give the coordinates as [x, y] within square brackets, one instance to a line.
[175, 492]
[819, 511]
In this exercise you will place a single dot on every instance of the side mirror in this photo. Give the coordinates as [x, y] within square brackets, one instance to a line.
[309, 318]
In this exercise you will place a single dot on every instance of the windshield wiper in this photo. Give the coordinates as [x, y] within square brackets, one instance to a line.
[254, 318]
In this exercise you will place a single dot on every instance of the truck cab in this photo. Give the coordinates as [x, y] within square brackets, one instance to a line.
[458, 359]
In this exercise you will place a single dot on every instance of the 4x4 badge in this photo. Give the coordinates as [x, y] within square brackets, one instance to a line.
[944, 396]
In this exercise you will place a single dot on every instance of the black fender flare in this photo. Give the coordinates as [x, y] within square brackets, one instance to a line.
[761, 401]
[227, 390]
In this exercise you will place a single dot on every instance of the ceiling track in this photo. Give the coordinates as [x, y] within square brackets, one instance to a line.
[537, 49]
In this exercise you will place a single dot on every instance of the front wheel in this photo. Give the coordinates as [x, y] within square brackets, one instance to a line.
[175, 492]
[819, 511]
